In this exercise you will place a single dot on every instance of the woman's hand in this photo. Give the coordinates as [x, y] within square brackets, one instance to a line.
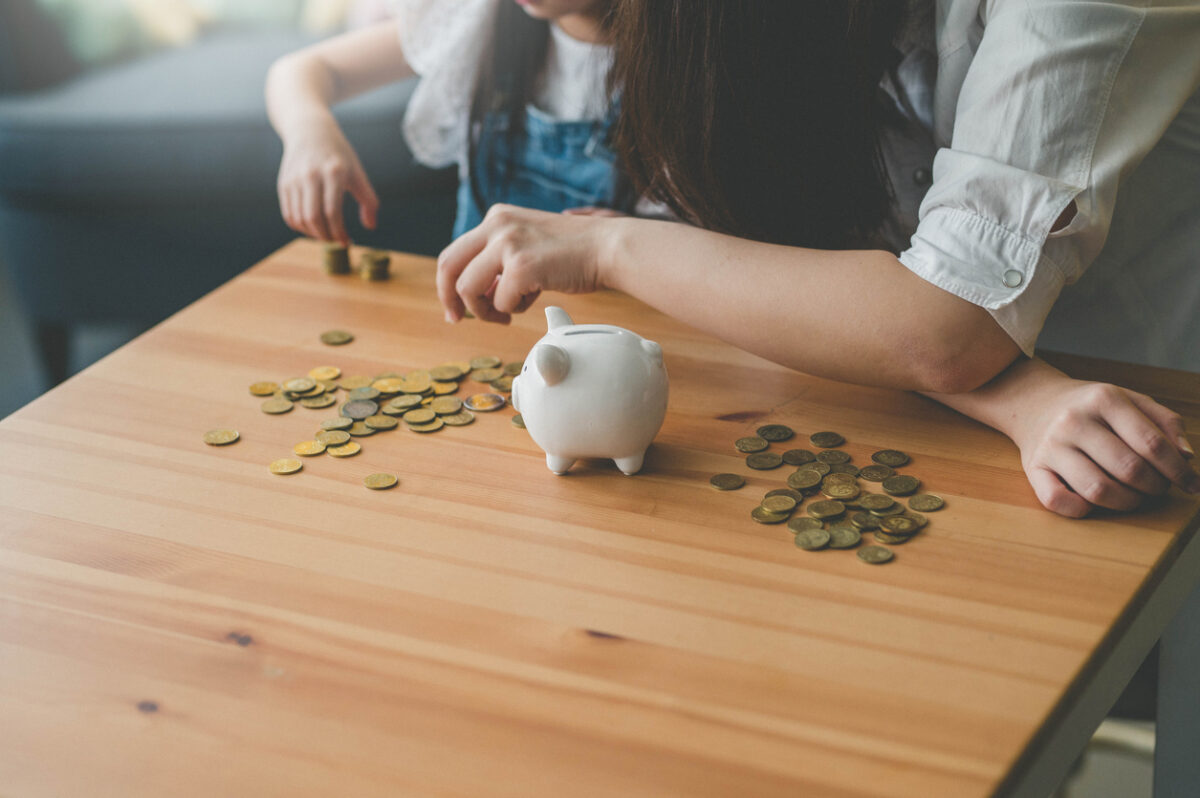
[503, 265]
[319, 167]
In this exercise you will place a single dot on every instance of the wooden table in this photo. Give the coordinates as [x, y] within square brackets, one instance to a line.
[176, 620]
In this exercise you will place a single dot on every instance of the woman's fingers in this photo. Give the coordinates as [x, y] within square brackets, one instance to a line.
[1054, 495]
[476, 284]
[1092, 483]
[1114, 454]
[1160, 439]
[451, 263]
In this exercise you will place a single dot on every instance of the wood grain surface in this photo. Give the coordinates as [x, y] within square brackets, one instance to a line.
[175, 620]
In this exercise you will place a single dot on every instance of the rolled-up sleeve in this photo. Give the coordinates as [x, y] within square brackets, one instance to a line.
[1054, 102]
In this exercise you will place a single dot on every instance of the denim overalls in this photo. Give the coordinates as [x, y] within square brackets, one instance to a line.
[557, 165]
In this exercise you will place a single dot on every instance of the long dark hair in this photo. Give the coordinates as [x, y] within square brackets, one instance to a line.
[758, 118]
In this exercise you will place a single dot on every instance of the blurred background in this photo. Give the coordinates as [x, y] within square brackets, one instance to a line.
[137, 167]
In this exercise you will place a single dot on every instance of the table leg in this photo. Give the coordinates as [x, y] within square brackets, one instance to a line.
[1176, 765]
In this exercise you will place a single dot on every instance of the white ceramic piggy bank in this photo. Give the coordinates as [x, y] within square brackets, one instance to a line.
[591, 390]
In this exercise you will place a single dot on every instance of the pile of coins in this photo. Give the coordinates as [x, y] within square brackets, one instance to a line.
[373, 265]
[842, 511]
[335, 258]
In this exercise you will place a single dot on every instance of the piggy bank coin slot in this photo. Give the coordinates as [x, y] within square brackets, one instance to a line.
[591, 332]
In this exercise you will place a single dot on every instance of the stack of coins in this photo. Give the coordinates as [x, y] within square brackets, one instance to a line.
[374, 264]
[336, 259]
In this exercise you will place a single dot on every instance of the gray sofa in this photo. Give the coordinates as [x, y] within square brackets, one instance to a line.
[127, 192]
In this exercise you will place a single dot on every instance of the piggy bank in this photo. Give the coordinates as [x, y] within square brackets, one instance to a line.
[591, 390]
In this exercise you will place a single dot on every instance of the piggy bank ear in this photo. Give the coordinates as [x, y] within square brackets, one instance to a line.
[552, 362]
[653, 350]
[557, 317]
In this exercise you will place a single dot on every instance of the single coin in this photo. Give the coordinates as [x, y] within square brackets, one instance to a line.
[416, 382]
[513, 369]
[898, 525]
[447, 372]
[460, 419]
[726, 481]
[874, 555]
[463, 365]
[833, 457]
[345, 450]
[336, 337]
[443, 388]
[387, 385]
[864, 521]
[875, 501]
[803, 479]
[381, 422]
[876, 472]
[486, 375]
[333, 437]
[890, 539]
[751, 445]
[895, 509]
[764, 461]
[798, 457]
[359, 409]
[330, 386]
[767, 517]
[365, 392]
[826, 440]
[843, 468]
[502, 384]
[842, 491]
[926, 502]
[813, 539]
[778, 504]
[359, 429]
[844, 536]
[286, 466]
[357, 381]
[405, 402]
[341, 422]
[836, 478]
[317, 390]
[380, 481]
[819, 467]
[918, 519]
[221, 437]
[518, 421]
[421, 415]
[264, 388]
[309, 448]
[446, 405]
[433, 426]
[276, 406]
[775, 432]
[485, 402]
[299, 385]
[890, 457]
[900, 485]
[825, 510]
[387, 375]
[318, 402]
[795, 494]
[485, 362]
[800, 523]
[322, 373]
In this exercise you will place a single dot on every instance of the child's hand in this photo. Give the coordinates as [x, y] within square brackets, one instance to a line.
[319, 167]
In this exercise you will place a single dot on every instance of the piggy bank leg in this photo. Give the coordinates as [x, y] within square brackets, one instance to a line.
[559, 465]
[630, 465]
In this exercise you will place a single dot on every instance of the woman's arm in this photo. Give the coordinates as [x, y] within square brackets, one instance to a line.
[319, 166]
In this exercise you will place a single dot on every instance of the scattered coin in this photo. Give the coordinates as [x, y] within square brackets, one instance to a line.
[502, 384]
[322, 373]
[381, 422]
[350, 383]
[443, 388]
[405, 402]
[894, 509]
[926, 502]
[778, 504]
[726, 481]
[447, 372]
[890, 539]
[874, 555]
[513, 369]
[432, 426]
[819, 467]
[764, 461]
[798, 457]
[446, 405]
[795, 494]
[518, 421]
[833, 457]
[276, 406]
[380, 481]
[346, 450]
[388, 385]
[827, 509]
[360, 409]
[336, 437]
[864, 521]
[875, 501]
[299, 385]
[804, 479]
[460, 419]
[318, 402]
[890, 457]
[898, 525]
[876, 472]
[764, 516]
[286, 466]
[420, 415]
[844, 536]
[341, 422]
[840, 490]
[309, 448]
[751, 445]
[843, 468]
[800, 523]
[900, 485]
[917, 519]
[221, 437]
[365, 392]
[264, 388]
[813, 539]
[826, 440]
[775, 432]
[484, 402]
[336, 337]
[485, 362]
[359, 429]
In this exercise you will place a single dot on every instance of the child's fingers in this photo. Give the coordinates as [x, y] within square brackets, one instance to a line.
[314, 212]
[1055, 496]
[1153, 432]
[364, 194]
[333, 213]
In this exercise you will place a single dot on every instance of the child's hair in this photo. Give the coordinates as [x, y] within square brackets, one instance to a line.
[758, 118]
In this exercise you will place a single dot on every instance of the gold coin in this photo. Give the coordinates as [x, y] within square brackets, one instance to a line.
[518, 421]
[764, 461]
[276, 406]
[405, 402]
[318, 402]
[874, 501]
[890, 539]
[800, 523]
[844, 536]
[895, 509]
[898, 525]
[775, 432]
[841, 491]
[834, 478]
[359, 409]
[485, 362]
[502, 384]
[336, 259]
[381, 422]
[463, 365]
[890, 458]
[812, 539]
[513, 369]
[833, 457]
[818, 466]
[299, 385]
[798, 457]
[333, 437]
[330, 386]
[804, 479]
[359, 429]
[447, 372]
[264, 388]
[346, 450]
[751, 444]
[221, 437]
[876, 472]
[778, 504]
[341, 422]
[422, 415]
[323, 373]
[308, 448]
[460, 419]
[917, 519]
[843, 468]
[767, 517]
[926, 502]
[366, 392]
[416, 383]
[726, 481]
[485, 402]
[380, 481]
[826, 440]
[900, 485]
[432, 426]
[827, 509]
[445, 405]
[795, 494]
[388, 385]
[336, 337]
[486, 375]
[358, 381]
[864, 521]
[286, 466]
[444, 388]
[874, 555]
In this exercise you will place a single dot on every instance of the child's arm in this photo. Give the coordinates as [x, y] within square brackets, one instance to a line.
[319, 165]
[1083, 444]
